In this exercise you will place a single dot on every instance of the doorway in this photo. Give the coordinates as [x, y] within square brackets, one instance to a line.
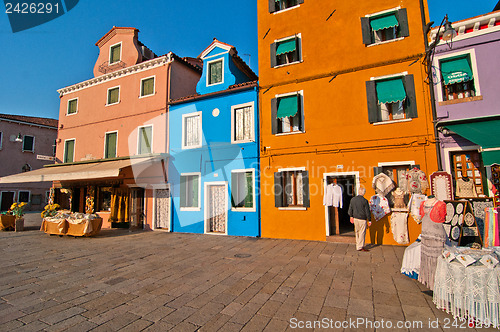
[7, 198]
[337, 220]
[137, 208]
[162, 209]
[216, 198]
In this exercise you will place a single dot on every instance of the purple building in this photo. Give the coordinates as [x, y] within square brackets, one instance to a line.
[465, 74]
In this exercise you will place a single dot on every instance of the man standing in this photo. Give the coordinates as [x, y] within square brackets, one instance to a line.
[359, 211]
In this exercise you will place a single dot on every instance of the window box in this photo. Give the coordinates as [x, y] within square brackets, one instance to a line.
[385, 26]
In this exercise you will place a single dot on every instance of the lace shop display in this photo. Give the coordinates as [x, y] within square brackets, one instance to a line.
[379, 206]
[399, 199]
[415, 181]
[414, 204]
[441, 186]
[491, 227]
[460, 224]
[479, 206]
[382, 184]
[410, 266]
[74, 224]
[399, 227]
[465, 187]
[467, 285]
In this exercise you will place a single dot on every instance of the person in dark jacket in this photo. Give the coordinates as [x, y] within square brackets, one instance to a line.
[359, 211]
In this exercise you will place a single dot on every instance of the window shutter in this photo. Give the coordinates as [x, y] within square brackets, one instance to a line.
[371, 97]
[296, 54]
[273, 55]
[274, 113]
[404, 31]
[305, 188]
[272, 6]
[182, 191]
[194, 188]
[377, 171]
[411, 99]
[366, 30]
[278, 189]
[301, 112]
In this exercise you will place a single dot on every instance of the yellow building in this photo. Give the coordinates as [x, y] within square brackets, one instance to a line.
[342, 97]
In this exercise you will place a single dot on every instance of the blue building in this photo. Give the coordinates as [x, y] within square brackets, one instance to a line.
[214, 149]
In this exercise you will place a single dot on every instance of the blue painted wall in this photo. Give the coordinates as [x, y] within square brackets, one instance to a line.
[218, 156]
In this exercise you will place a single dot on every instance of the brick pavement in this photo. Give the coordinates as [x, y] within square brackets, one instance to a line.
[156, 281]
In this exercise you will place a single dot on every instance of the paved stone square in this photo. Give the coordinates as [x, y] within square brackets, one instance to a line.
[158, 281]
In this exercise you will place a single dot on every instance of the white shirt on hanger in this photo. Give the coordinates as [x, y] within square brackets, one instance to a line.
[333, 195]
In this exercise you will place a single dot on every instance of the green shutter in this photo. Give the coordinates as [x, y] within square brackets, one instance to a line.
[456, 70]
[371, 98]
[249, 190]
[69, 151]
[145, 134]
[215, 72]
[390, 91]
[287, 106]
[72, 106]
[286, 46]
[28, 142]
[148, 86]
[110, 145]
[115, 53]
[194, 188]
[182, 191]
[278, 189]
[384, 22]
[113, 95]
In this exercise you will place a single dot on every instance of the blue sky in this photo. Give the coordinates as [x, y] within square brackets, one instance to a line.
[61, 52]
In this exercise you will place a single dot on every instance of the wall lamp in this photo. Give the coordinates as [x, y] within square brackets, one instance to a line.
[19, 138]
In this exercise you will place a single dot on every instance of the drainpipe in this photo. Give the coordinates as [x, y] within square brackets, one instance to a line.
[431, 86]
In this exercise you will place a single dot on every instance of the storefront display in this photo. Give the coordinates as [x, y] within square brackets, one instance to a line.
[441, 186]
[73, 224]
[399, 227]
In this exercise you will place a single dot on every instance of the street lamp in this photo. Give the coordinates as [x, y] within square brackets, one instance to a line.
[19, 138]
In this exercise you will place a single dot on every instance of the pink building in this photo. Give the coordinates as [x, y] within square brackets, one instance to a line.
[26, 143]
[112, 144]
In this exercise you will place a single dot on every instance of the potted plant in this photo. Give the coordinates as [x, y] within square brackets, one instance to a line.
[17, 209]
[50, 210]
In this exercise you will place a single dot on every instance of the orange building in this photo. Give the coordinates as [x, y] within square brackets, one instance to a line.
[342, 98]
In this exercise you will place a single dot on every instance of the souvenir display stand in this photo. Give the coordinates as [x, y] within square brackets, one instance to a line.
[460, 224]
[7, 222]
[73, 224]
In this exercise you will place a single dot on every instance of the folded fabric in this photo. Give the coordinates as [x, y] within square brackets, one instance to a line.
[382, 184]
[379, 207]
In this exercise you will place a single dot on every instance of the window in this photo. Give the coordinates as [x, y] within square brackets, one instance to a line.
[23, 196]
[147, 86]
[242, 189]
[69, 151]
[145, 140]
[191, 130]
[286, 51]
[287, 115]
[190, 191]
[110, 145]
[391, 99]
[36, 199]
[54, 148]
[1, 140]
[28, 143]
[468, 165]
[397, 173]
[115, 53]
[277, 5]
[104, 199]
[113, 95]
[384, 26]
[215, 72]
[242, 123]
[457, 79]
[291, 188]
[72, 106]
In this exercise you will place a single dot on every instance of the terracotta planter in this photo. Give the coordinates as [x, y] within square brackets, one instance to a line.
[20, 225]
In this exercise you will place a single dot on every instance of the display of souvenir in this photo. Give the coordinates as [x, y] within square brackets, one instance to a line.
[460, 224]
[469, 219]
[441, 185]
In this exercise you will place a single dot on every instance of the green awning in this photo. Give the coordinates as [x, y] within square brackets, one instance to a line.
[456, 70]
[286, 46]
[485, 134]
[391, 91]
[384, 22]
[287, 106]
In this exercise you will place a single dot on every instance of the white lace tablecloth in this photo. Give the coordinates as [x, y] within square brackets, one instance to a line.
[471, 292]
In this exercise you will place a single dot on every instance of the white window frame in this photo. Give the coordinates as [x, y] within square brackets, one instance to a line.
[233, 124]
[67, 106]
[116, 146]
[205, 201]
[244, 209]
[292, 169]
[200, 130]
[194, 208]
[74, 149]
[286, 9]
[110, 53]
[107, 95]
[22, 148]
[208, 71]
[473, 62]
[24, 191]
[301, 93]
[154, 87]
[139, 137]
[392, 10]
[299, 36]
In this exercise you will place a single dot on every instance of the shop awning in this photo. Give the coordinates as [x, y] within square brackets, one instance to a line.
[391, 91]
[286, 47]
[287, 106]
[456, 70]
[75, 171]
[483, 133]
[384, 22]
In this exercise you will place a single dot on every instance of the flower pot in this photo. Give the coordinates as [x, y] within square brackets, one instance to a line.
[19, 224]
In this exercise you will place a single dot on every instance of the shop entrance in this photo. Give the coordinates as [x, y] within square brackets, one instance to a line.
[337, 219]
[137, 208]
[7, 198]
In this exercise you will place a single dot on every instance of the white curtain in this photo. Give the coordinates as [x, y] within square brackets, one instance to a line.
[192, 131]
[243, 124]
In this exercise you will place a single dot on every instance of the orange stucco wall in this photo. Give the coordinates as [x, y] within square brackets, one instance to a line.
[335, 66]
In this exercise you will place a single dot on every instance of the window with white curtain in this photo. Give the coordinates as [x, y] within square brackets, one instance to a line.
[191, 130]
[243, 123]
